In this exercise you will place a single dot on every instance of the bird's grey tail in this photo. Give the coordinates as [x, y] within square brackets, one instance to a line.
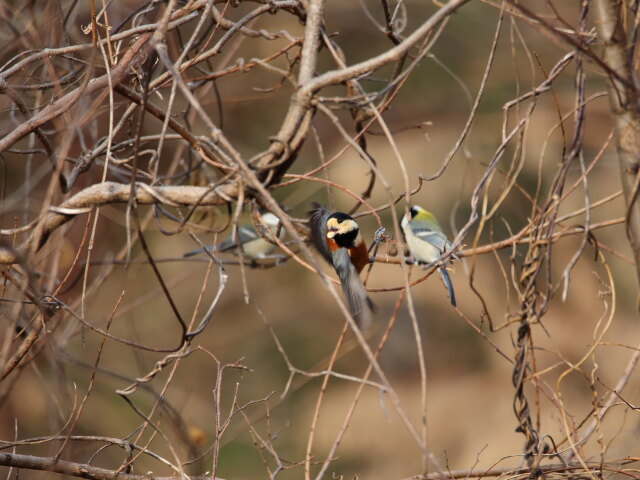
[447, 283]
[360, 305]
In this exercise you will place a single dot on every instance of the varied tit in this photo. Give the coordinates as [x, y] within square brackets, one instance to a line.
[253, 245]
[337, 237]
[427, 242]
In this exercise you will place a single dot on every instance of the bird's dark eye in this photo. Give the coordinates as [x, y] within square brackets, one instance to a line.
[339, 220]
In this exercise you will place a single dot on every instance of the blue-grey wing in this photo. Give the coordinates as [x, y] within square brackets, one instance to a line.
[193, 253]
[360, 305]
[243, 235]
[318, 217]
[434, 237]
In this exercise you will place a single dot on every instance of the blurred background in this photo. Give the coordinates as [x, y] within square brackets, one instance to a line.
[244, 375]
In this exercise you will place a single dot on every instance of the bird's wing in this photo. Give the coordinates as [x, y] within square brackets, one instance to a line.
[434, 237]
[243, 235]
[360, 305]
[193, 253]
[318, 216]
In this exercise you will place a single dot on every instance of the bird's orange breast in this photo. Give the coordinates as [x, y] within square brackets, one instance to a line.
[331, 243]
[359, 256]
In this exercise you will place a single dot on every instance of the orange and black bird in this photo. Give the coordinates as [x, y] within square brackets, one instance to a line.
[337, 237]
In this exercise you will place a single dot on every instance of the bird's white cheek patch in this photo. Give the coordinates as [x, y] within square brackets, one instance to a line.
[331, 234]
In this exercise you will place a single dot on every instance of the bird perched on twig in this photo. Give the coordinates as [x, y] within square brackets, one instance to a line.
[427, 242]
[337, 237]
[254, 245]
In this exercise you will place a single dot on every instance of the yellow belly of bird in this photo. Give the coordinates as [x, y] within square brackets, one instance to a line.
[423, 251]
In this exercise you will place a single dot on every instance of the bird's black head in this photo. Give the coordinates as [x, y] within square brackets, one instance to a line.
[343, 229]
[339, 217]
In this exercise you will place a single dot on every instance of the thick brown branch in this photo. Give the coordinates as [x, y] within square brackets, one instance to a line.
[112, 192]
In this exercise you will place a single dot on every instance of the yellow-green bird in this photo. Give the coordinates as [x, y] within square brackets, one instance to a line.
[427, 242]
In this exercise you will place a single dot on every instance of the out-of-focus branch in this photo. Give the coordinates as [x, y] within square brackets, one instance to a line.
[298, 120]
[334, 77]
[623, 100]
[80, 470]
[498, 472]
[57, 108]
[67, 468]
[96, 473]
